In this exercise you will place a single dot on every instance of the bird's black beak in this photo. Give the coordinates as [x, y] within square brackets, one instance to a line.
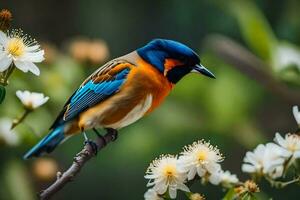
[202, 70]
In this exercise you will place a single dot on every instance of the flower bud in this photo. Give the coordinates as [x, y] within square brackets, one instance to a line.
[197, 196]
[251, 186]
[5, 19]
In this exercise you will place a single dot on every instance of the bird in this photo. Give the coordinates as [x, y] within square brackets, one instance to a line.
[122, 91]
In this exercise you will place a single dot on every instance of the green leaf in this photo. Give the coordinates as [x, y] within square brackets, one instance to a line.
[248, 196]
[2, 93]
[255, 28]
[229, 195]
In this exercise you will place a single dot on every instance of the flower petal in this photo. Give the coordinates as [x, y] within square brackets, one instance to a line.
[183, 187]
[152, 195]
[35, 57]
[260, 149]
[2, 53]
[279, 139]
[38, 100]
[201, 171]
[7, 135]
[3, 39]
[25, 97]
[192, 173]
[215, 179]
[161, 188]
[172, 192]
[277, 172]
[296, 113]
[248, 168]
[19, 94]
[296, 154]
[21, 65]
[5, 63]
[27, 66]
[34, 69]
[33, 48]
[213, 167]
[151, 176]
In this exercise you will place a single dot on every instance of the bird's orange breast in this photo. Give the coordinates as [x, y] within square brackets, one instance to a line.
[150, 81]
[143, 80]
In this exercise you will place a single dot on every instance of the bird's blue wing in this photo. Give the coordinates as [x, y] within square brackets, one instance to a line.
[92, 93]
[103, 83]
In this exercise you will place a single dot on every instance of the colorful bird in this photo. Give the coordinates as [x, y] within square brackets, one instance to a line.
[122, 91]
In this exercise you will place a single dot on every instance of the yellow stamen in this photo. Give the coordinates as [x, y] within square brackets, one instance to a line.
[16, 47]
[170, 170]
[292, 142]
[292, 147]
[202, 155]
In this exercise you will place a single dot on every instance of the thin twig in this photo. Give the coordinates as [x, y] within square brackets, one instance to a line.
[5, 75]
[79, 160]
[17, 121]
[249, 64]
[282, 184]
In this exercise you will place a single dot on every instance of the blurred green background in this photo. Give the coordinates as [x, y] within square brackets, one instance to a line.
[237, 111]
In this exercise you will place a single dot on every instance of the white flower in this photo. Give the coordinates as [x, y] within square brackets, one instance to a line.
[296, 114]
[200, 158]
[31, 100]
[223, 177]
[9, 136]
[164, 174]
[254, 160]
[291, 143]
[266, 160]
[151, 194]
[21, 50]
[286, 55]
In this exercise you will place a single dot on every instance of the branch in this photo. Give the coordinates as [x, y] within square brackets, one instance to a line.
[282, 184]
[79, 160]
[249, 64]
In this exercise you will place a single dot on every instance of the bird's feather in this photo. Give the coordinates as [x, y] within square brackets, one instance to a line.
[103, 83]
[48, 143]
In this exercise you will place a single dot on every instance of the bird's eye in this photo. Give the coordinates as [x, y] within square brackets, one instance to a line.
[182, 58]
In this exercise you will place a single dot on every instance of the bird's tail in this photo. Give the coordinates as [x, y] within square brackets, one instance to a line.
[48, 143]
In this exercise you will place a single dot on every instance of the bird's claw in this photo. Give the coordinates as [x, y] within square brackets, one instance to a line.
[102, 138]
[113, 133]
[114, 136]
[93, 146]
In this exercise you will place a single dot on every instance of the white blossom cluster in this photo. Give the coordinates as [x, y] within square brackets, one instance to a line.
[18, 51]
[169, 173]
[31, 100]
[21, 50]
[200, 160]
[273, 159]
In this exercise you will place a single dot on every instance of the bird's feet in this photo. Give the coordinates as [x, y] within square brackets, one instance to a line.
[102, 138]
[113, 133]
[91, 143]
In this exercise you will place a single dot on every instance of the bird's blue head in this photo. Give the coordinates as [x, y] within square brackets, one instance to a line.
[173, 59]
